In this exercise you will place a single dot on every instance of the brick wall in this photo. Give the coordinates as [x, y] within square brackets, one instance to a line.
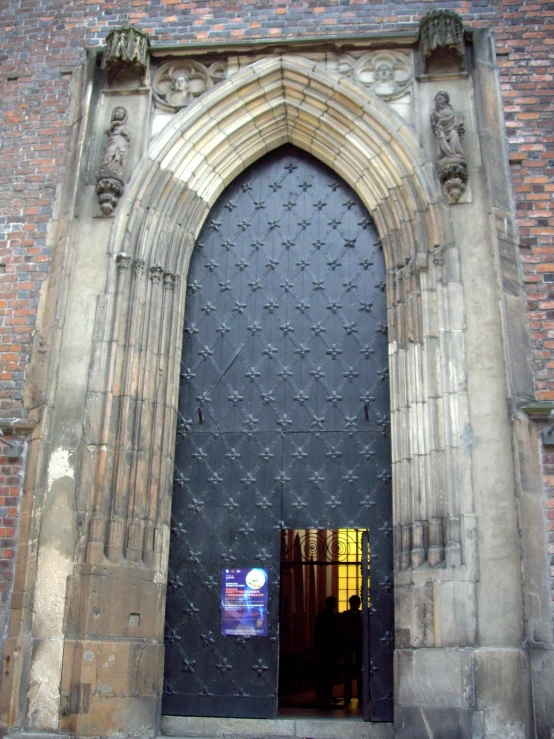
[44, 42]
[527, 74]
[10, 488]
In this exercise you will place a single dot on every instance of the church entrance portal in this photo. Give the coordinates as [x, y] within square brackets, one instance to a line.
[283, 423]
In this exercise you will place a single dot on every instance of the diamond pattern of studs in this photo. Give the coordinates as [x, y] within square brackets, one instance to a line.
[283, 410]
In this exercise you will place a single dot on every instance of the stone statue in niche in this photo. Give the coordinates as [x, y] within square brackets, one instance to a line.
[109, 179]
[448, 127]
[119, 136]
[178, 84]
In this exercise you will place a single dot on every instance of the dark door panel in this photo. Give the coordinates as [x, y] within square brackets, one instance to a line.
[283, 417]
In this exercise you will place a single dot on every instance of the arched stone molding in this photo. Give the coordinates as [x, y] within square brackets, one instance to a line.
[278, 100]
[125, 465]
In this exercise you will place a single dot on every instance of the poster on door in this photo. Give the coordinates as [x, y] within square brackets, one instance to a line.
[244, 602]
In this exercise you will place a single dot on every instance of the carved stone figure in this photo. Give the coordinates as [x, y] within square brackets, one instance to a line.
[182, 88]
[177, 84]
[448, 127]
[109, 180]
[384, 79]
[115, 153]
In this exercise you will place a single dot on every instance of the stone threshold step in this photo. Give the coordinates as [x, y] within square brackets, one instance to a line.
[196, 727]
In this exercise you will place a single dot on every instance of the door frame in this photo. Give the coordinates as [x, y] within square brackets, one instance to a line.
[125, 455]
[273, 101]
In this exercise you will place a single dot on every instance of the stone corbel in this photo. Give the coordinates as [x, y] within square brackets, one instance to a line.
[542, 410]
[421, 261]
[438, 260]
[441, 39]
[10, 426]
[123, 261]
[11, 447]
[109, 188]
[538, 410]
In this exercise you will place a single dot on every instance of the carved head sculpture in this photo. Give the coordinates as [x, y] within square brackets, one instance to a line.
[119, 114]
[384, 73]
[442, 99]
[179, 83]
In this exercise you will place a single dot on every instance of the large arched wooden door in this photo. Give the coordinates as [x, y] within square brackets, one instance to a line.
[283, 421]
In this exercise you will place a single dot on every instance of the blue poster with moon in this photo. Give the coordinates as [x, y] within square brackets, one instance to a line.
[244, 602]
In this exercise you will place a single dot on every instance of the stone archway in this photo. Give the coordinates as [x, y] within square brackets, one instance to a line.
[131, 399]
[278, 100]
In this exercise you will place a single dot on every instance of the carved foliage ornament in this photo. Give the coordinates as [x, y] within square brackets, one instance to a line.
[177, 84]
[109, 179]
[441, 36]
[448, 127]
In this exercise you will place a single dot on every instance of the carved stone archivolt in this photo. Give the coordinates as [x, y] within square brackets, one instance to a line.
[388, 74]
[177, 84]
[441, 38]
[154, 298]
[448, 127]
[109, 179]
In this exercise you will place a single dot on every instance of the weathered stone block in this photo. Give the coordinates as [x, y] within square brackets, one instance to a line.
[108, 600]
[438, 723]
[502, 691]
[455, 613]
[414, 615]
[435, 678]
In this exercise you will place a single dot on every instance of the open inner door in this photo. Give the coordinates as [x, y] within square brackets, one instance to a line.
[323, 615]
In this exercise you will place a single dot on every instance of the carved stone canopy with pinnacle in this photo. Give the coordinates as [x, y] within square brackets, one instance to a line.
[441, 38]
[126, 54]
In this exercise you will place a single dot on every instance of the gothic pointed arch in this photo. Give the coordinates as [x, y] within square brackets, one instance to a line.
[283, 99]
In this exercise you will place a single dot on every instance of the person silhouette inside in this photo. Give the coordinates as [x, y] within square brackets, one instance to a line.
[351, 637]
[327, 646]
